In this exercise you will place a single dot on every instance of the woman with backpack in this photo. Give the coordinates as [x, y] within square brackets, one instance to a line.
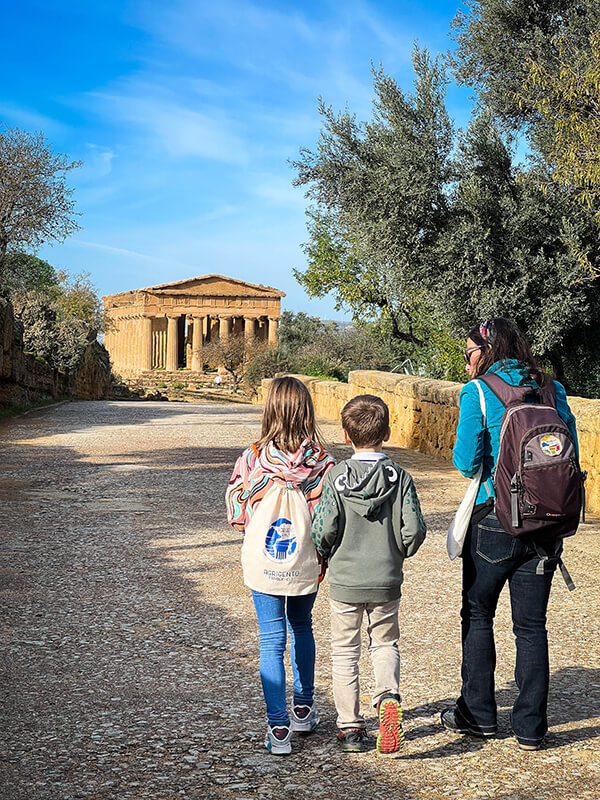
[495, 551]
[275, 486]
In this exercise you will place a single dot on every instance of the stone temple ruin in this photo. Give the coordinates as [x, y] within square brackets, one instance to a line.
[165, 327]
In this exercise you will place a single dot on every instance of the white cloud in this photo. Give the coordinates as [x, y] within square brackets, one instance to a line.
[177, 129]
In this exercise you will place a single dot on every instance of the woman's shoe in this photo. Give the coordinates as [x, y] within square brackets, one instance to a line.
[452, 721]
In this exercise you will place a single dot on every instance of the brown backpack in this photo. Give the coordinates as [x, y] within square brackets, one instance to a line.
[539, 484]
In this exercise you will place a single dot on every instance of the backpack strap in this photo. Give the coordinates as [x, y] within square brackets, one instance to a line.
[544, 556]
[505, 392]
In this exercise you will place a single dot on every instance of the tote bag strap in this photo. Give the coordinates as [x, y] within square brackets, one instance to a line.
[482, 406]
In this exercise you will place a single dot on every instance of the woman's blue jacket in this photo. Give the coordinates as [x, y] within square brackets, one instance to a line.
[474, 443]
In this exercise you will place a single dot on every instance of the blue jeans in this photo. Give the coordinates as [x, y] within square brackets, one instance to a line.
[491, 557]
[275, 614]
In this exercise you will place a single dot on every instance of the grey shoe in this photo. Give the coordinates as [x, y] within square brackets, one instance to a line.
[452, 721]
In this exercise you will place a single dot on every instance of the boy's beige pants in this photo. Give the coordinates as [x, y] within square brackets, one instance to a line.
[382, 628]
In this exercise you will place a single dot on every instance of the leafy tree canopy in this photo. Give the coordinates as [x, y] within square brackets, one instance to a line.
[567, 95]
[35, 201]
[378, 189]
[498, 39]
[23, 272]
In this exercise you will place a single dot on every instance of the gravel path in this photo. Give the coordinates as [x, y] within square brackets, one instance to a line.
[129, 646]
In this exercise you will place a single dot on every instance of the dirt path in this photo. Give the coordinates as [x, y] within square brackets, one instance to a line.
[129, 646]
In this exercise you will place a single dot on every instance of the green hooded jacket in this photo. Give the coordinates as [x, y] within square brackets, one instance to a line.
[367, 522]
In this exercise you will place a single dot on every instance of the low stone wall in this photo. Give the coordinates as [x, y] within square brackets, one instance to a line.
[25, 380]
[424, 415]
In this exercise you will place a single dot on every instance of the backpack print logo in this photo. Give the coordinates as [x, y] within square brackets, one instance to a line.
[551, 445]
[281, 542]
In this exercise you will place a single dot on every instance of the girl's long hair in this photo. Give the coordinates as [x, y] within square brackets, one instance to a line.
[500, 339]
[289, 416]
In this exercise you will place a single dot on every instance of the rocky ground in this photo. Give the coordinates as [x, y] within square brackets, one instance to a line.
[129, 646]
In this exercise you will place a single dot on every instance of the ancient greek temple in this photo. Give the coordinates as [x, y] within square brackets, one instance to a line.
[165, 327]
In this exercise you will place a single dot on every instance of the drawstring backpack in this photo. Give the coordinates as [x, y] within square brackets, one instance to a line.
[278, 554]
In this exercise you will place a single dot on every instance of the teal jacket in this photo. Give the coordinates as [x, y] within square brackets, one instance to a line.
[367, 522]
[476, 444]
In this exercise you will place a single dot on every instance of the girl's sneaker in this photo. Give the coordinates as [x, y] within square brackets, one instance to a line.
[391, 734]
[305, 718]
[278, 740]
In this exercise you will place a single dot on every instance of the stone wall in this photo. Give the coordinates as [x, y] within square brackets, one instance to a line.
[424, 415]
[25, 380]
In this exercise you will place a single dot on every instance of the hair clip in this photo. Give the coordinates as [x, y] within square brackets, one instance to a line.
[487, 329]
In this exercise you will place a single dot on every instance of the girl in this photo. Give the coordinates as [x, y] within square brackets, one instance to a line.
[492, 557]
[289, 452]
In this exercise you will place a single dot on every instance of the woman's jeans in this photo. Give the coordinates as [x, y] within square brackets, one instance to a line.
[491, 557]
[275, 614]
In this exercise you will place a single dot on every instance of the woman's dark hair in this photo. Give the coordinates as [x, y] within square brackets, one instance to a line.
[500, 339]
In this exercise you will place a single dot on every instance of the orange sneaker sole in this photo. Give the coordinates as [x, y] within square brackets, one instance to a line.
[391, 733]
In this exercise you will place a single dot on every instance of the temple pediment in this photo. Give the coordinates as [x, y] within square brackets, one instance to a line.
[207, 286]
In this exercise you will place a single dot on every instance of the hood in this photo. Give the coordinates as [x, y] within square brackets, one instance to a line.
[367, 485]
[293, 468]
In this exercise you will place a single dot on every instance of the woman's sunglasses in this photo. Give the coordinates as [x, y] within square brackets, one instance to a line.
[468, 351]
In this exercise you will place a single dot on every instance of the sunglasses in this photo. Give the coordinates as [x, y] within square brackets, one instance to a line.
[468, 351]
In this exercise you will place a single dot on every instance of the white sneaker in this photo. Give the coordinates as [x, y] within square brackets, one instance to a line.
[278, 740]
[304, 718]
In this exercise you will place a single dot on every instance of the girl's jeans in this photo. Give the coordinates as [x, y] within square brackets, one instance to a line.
[492, 557]
[274, 614]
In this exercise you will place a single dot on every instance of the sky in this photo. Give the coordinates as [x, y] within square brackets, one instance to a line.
[186, 114]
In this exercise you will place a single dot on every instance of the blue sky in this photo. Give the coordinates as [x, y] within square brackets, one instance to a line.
[186, 114]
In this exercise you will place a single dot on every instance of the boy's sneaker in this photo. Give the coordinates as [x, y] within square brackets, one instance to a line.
[391, 733]
[278, 740]
[353, 740]
[452, 721]
[305, 718]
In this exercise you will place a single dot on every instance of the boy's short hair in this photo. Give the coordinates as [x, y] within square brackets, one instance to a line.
[366, 420]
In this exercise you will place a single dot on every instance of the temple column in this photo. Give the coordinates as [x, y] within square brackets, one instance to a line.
[273, 322]
[146, 343]
[249, 329]
[198, 323]
[136, 340]
[172, 345]
[224, 328]
[126, 343]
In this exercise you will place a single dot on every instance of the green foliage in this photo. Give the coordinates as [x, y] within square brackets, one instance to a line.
[59, 341]
[379, 193]
[498, 39]
[430, 250]
[296, 330]
[267, 363]
[35, 201]
[567, 95]
[78, 299]
[60, 314]
[23, 272]
[177, 385]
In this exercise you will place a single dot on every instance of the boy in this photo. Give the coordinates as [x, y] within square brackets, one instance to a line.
[367, 522]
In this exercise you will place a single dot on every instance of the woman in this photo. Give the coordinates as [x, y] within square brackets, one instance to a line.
[492, 557]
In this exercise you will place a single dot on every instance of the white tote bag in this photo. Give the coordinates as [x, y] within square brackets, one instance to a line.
[278, 554]
[462, 519]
